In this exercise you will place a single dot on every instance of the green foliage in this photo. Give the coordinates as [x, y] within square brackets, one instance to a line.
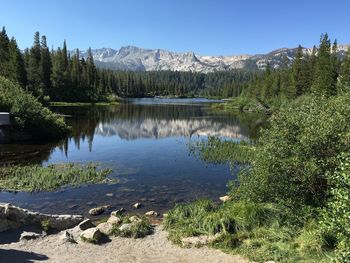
[215, 150]
[336, 214]
[140, 227]
[293, 156]
[203, 217]
[28, 114]
[36, 178]
[294, 171]
[258, 231]
[45, 225]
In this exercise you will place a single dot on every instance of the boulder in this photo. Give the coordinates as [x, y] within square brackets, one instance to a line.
[92, 235]
[105, 228]
[198, 240]
[114, 220]
[12, 217]
[118, 212]
[4, 225]
[67, 237]
[135, 219]
[96, 211]
[86, 224]
[151, 213]
[99, 210]
[125, 227]
[31, 235]
[137, 205]
[225, 198]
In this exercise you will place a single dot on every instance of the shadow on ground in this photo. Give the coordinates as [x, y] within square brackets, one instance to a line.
[14, 235]
[14, 256]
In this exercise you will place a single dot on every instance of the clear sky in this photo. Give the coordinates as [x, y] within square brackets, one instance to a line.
[208, 27]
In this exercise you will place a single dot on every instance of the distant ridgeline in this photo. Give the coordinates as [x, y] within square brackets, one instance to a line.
[60, 75]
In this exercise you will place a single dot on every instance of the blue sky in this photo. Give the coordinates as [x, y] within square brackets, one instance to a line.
[211, 27]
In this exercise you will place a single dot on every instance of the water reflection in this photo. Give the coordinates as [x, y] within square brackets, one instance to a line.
[131, 121]
[146, 145]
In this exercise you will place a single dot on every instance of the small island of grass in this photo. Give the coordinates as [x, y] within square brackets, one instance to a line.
[36, 178]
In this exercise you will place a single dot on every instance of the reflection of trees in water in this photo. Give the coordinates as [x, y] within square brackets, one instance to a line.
[159, 119]
[25, 153]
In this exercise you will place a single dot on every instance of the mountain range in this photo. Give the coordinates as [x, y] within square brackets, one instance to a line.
[139, 59]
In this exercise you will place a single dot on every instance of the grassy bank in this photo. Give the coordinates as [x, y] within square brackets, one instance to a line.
[36, 178]
[257, 231]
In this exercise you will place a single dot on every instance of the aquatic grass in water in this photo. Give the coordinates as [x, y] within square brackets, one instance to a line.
[36, 178]
[216, 151]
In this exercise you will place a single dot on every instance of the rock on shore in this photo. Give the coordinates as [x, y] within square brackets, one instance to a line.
[12, 217]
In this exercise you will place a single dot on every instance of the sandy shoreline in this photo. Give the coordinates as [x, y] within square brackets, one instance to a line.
[153, 248]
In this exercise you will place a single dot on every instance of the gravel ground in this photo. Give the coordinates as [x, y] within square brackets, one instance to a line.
[153, 248]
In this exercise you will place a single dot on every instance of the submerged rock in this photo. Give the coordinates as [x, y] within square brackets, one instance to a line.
[98, 210]
[137, 205]
[73, 207]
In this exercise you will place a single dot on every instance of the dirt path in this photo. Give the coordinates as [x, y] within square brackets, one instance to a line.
[154, 248]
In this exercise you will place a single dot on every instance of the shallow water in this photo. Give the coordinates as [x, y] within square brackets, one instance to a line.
[146, 142]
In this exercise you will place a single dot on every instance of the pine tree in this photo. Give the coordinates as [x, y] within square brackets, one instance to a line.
[297, 72]
[75, 70]
[4, 52]
[35, 84]
[45, 65]
[324, 82]
[17, 71]
[335, 67]
[344, 76]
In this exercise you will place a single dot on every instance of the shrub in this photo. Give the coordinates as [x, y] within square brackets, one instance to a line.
[27, 113]
[336, 214]
[293, 156]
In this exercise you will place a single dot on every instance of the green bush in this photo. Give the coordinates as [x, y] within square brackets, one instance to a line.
[27, 113]
[294, 155]
[336, 214]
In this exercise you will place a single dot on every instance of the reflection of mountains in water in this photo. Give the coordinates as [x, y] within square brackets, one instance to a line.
[161, 128]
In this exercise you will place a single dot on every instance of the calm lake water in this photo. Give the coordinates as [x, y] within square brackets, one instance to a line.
[146, 143]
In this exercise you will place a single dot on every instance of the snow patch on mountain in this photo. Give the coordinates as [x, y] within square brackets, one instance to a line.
[140, 59]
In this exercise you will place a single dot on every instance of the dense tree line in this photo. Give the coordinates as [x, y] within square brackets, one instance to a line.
[51, 74]
[321, 72]
[65, 76]
[61, 75]
[167, 83]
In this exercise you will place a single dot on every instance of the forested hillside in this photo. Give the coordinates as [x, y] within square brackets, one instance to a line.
[58, 75]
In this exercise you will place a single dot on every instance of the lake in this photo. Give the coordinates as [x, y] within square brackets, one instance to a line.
[146, 143]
